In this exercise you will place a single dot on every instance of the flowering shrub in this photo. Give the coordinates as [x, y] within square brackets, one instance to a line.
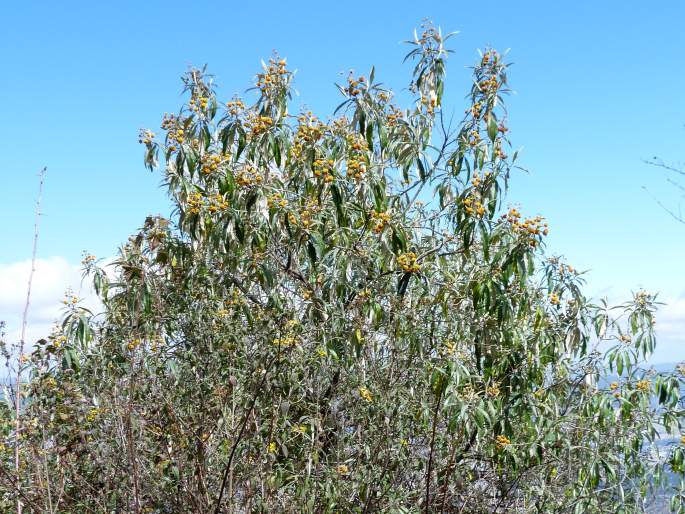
[342, 316]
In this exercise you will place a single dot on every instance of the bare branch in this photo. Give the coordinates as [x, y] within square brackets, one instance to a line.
[20, 355]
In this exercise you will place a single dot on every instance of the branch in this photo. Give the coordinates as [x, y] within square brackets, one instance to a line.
[246, 417]
[24, 321]
[675, 216]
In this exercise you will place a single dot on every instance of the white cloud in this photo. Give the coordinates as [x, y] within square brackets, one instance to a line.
[53, 276]
[670, 322]
[670, 331]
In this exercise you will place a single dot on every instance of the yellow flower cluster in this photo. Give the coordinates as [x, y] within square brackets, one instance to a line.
[489, 85]
[429, 101]
[169, 121]
[394, 116]
[554, 299]
[476, 180]
[309, 131]
[468, 393]
[299, 429]
[212, 162]
[473, 138]
[381, 219]
[489, 55]
[248, 176]
[642, 297]
[258, 124]
[342, 469]
[498, 150]
[365, 394]
[323, 168]
[217, 203]
[195, 202]
[59, 341]
[93, 414]
[88, 259]
[274, 75]
[198, 103]
[285, 341]
[529, 227]
[643, 385]
[272, 447]
[354, 85]
[448, 348]
[49, 382]
[472, 206]
[156, 342]
[176, 135]
[613, 386]
[146, 136]
[492, 390]
[276, 200]
[133, 344]
[407, 262]
[356, 160]
[502, 442]
[311, 208]
[476, 110]
[235, 299]
[565, 268]
[235, 107]
[70, 299]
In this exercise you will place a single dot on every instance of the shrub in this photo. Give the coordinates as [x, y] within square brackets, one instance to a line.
[343, 316]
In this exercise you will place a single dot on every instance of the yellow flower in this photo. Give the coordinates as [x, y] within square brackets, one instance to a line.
[449, 348]
[133, 344]
[285, 341]
[93, 414]
[642, 385]
[365, 394]
[502, 442]
[492, 390]
[342, 469]
[380, 219]
[272, 447]
[407, 262]
[613, 386]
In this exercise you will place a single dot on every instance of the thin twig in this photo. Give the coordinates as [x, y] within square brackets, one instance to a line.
[24, 321]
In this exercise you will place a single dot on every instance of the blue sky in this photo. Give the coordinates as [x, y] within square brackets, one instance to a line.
[598, 89]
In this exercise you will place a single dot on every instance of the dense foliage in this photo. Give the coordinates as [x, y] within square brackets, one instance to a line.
[343, 316]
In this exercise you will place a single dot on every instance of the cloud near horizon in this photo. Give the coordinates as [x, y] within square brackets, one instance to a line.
[52, 278]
